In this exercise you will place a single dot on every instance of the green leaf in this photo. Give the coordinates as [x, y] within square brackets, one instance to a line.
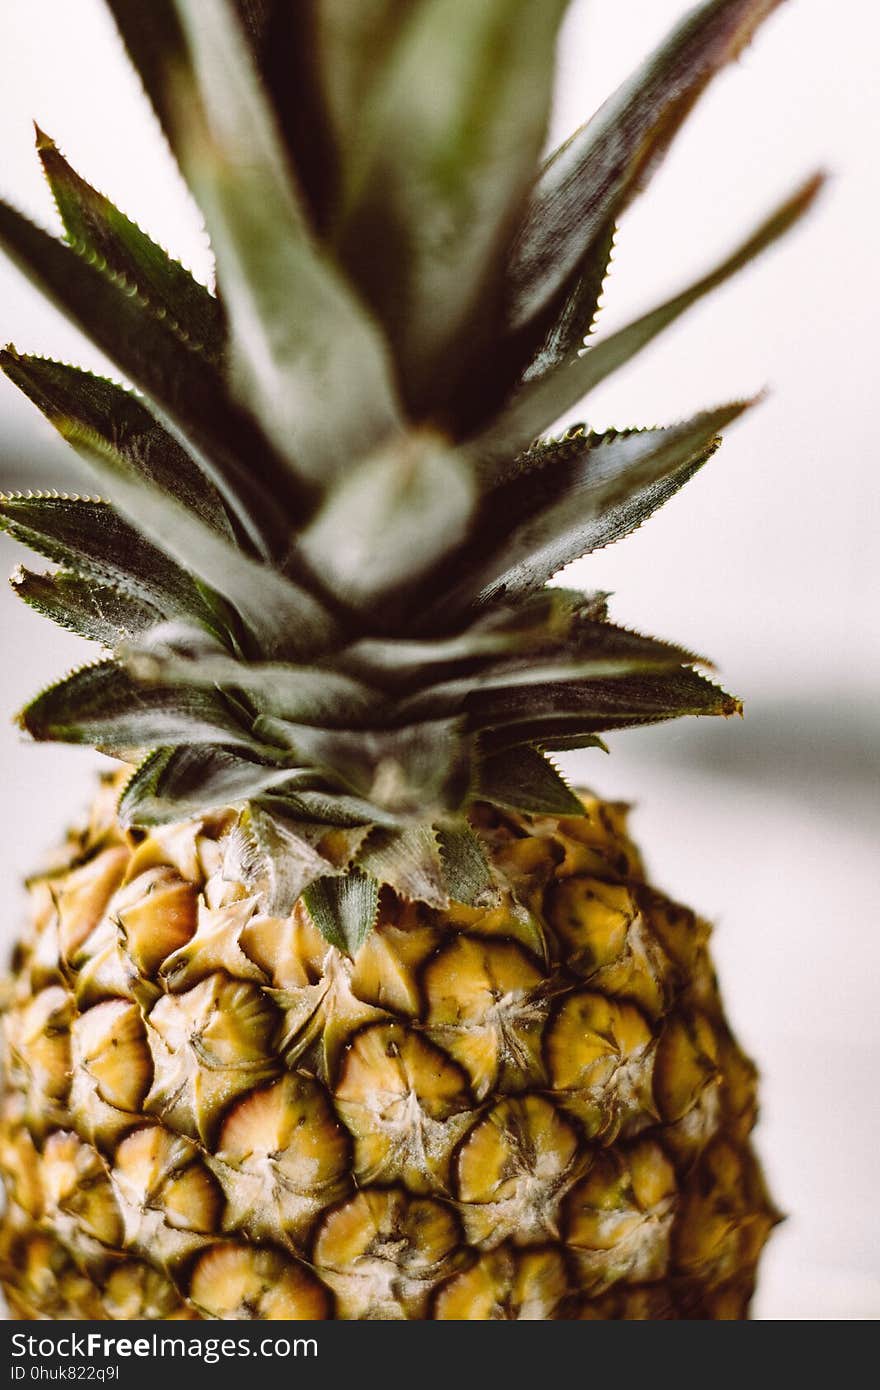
[579, 521]
[306, 359]
[284, 618]
[319, 62]
[392, 664]
[617, 349]
[68, 396]
[592, 178]
[351, 46]
[409, 862]
[535, 621]
[101, 705]
[448, 147]
[285, 40]
[597, 651]
[99, 612]
[303, 694]
[466, 873]
[340, 809]
[596, 637]
[421, 771]
[183, 386]
[566, 743]
[574, 315]
[576, 495]
[173, 784]
[344, 909]
[526, 715]
[179, 640]
[94, 225]
[91, 538]
[286, 856]
[522, 779]
[541, 401]
[390, 520]
[286, 45]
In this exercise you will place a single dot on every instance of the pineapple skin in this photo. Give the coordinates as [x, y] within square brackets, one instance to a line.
[532, 1111]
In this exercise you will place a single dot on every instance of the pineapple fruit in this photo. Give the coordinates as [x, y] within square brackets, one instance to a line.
[343, 1003]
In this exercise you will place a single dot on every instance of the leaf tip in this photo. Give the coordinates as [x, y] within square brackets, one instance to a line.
[814, 186]
[42, 141]
[21, 719]
[730, 413]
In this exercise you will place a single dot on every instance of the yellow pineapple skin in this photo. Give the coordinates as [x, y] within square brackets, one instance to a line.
[532, 1111]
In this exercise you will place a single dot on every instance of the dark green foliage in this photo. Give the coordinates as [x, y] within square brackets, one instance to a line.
[98, 228]
[74, 400]
[100, 612]
[587, 184]
[523, 780]
[542, 399]
[320, 571]
[103, 706]
[92, 539]
[466, 872]
[447, 144]
[183, 386]
[183, 781]
[572, 496]
[344, 909]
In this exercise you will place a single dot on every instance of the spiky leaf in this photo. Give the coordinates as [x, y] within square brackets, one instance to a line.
[306, 359]
[526, 716]
[99, 612]
[523, 780]
[409, 861]
[101, 705]
[94, 224]
[344, 909]
[289, 855]
[575, 497]
[614, 351]
[534, 622]
[467, 876]
[284, 618]
[594, 651]
[541, 401]
[578, 309]
[303, 694]
[90, 537]
[172, 784]
[326, 806]
[69, 397]
[447, 152]
[591, 179]
[183, 386]
[419, 770]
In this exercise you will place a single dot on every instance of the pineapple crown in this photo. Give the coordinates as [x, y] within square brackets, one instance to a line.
[329, 513]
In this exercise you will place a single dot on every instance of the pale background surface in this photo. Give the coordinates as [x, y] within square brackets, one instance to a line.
[767, 562]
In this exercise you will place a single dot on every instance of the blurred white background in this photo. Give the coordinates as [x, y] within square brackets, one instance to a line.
[767, 562]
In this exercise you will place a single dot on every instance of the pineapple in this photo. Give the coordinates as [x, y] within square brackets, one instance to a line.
[343, 1003]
